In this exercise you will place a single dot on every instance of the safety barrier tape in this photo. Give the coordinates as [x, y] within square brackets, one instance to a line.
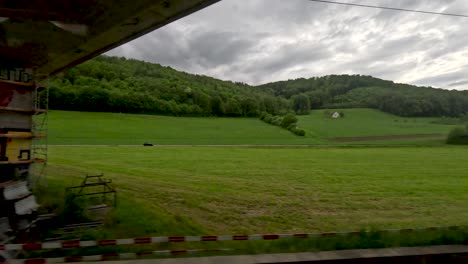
[113, 256]
[153, 240]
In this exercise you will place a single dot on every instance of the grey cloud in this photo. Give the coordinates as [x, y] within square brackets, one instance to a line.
[267, 40]
[452, 79]
[218, 48]
[459, 83]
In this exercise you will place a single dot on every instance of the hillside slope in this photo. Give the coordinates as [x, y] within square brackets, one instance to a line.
[353, 91]
[86, 128]
[111, 84]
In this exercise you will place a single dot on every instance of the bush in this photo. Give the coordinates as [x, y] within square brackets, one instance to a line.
[291, 126]
[288, 120]
[277, 120]
[263, 115]
[268, 118]
[298, 131]
[458, 136]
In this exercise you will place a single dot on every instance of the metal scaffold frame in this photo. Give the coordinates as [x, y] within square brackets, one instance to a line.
[39, 148]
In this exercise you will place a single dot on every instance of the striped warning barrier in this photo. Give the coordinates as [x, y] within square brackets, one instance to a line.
[161, 239]
[113, 256]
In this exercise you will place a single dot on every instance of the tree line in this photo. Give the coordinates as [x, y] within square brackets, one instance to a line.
[112, 84]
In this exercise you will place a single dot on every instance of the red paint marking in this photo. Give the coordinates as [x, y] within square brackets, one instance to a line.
[209, 238]
[240, 237]
[177, 239]
[71, 244]
[181, 251]
[301, 235]
[110, 256]
[6, 96]
[270, 237]
[144, 253]
[143, 240]
[35, 261]
[2, 247]
[32, 246]
[74, 259]
[109, 242]
[21, 90]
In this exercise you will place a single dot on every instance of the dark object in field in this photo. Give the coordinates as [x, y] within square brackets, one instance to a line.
[146, 144]
[100, 197]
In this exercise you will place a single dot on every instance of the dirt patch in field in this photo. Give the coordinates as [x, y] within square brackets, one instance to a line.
[392, 137]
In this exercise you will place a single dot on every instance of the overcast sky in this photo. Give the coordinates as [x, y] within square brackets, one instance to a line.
[259, 41]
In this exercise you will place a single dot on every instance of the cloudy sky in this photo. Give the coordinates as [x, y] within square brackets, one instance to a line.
[259, 41]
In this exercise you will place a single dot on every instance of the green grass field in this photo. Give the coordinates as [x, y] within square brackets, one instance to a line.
[368, 122]
[190, 190]
[202, 190]
[81, 128]
[77, 128]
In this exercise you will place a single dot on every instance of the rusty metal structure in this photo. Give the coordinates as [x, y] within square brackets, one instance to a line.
[40, 38]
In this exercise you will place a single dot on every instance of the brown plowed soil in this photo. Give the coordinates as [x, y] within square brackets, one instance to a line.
[393, 137]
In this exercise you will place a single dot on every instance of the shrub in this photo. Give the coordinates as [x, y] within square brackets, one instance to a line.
[263, 115]
[458, 136]
[298, 131]
[291, 126]
[268, 118]
[288, 120]
[277, 120]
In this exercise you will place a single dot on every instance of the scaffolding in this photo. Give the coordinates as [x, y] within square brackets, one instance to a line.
[39, 148]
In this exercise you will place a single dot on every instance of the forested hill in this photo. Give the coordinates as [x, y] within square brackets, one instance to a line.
[111, 84]
[114, 84]
[353, 91]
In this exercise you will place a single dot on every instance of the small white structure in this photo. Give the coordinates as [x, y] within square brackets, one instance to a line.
[336, 115]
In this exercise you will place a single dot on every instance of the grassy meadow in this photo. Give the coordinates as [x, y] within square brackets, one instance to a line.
[83, 128]
[368, 122]
[200, 190]
[86, 128]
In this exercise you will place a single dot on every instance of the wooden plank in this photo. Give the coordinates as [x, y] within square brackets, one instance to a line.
[19, 162]
[23, 135]
[25, 84]
[23, 110]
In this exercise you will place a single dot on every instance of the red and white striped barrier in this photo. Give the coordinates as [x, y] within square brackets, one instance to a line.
[161, 239]
[114, 256]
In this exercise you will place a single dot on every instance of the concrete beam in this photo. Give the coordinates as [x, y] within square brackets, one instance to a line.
[53, 35]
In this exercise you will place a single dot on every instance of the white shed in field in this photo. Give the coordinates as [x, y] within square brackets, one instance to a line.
[336, 115]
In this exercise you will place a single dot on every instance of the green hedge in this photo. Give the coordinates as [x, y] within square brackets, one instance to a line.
[288, 122]
[458, 136]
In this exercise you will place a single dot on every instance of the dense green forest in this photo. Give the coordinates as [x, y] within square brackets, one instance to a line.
[112, 84]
